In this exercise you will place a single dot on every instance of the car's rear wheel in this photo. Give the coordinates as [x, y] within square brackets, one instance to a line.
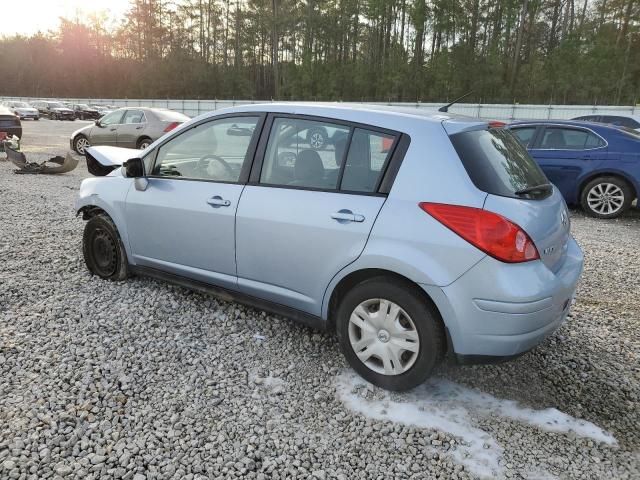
[103, 251]
[144, 143]
[606, 197]
[80, 144]
[389, 333]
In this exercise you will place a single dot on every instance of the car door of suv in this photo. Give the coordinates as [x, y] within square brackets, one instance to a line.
[131, 128]
[565, 152]
[184, 221]
[307, 212]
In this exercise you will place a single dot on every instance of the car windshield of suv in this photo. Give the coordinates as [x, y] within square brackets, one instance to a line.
[498, 163]
[56, 105]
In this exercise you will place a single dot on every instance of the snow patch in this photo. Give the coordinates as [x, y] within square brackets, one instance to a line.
[446, 406]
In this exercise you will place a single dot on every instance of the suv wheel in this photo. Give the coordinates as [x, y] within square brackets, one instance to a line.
[606, 197]
[103, 251]
[80, 144]
[144, 143]
[389, 334]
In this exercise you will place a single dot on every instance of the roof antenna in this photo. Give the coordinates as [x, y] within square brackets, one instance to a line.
[446, 107]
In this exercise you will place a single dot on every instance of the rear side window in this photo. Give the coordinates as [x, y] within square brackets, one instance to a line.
[368, 154]
[496, 162]
[556, 138]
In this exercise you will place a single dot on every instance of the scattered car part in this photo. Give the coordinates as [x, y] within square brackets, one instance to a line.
[56, 164]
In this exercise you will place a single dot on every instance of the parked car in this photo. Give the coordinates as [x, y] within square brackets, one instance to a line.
[127, 127]
[628, 121]
[54, 110]
[390, 235]
[84, 112]
[9, 123]
[23, 110]
[102, 109]
[594, 165]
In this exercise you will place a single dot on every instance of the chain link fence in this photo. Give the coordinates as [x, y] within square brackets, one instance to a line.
[194, 108]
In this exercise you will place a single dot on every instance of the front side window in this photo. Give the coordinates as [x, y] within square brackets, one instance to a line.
[133, 116]
[211, 151]
[296, 156]
[368, 154]
[111, 119]
[557, 138]
[525, 135]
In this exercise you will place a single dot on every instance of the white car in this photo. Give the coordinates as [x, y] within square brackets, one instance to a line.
[23, 110]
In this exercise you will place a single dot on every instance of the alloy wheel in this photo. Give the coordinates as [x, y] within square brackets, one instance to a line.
[383, 336]
[81, 145]
[316, 140]
[605, 198]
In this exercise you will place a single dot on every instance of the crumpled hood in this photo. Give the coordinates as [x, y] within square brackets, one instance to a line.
[103, 160]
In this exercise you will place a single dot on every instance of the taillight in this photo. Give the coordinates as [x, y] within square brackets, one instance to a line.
[171, 126]
[487, 231]
[496, 124]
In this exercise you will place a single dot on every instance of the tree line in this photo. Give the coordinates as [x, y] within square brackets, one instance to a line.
[525, 51]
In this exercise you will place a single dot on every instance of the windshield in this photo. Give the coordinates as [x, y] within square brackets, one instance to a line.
[56, 105]
[19, 105]
[497, 163]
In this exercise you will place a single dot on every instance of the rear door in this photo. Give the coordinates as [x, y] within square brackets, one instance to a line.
[131, 128]
[307, 212]
[565, 153]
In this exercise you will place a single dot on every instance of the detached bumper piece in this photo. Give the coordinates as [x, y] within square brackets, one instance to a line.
[56, 164]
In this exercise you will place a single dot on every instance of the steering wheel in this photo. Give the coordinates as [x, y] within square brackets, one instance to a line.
[203, 164]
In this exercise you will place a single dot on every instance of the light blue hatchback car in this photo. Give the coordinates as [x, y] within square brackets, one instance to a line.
[414, 235]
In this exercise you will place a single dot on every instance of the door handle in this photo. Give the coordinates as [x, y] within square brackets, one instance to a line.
[112, 129]
[345, 216]
[138, 128]
[218, 201]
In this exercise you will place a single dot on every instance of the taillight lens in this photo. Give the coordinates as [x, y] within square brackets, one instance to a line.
[171, 126]
[488, 231]
[496, 124]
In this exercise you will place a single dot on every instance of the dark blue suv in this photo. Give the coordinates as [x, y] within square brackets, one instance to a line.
[594, 165]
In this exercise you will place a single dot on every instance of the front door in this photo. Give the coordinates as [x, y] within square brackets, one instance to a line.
[184, 221]
[310, 210]
[105, 132]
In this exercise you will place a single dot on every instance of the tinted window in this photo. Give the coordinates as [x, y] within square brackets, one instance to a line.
[589, 118]
[133, 116]
[368, 154]
[295, 158]
[525, 134]
[557, 138]
[211, 151]
[497, 162]
[621, 121]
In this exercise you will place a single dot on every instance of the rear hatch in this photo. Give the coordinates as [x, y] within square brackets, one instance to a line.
[517, 189]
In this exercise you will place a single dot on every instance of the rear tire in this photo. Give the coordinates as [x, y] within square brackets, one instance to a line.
[397, 350]
[103, 251]
[144, 143]
[606, 197]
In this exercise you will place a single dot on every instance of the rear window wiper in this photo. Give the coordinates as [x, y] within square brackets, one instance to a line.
[542, 188]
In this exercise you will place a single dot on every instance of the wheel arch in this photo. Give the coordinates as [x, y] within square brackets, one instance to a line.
[635, 188]
[355, 277]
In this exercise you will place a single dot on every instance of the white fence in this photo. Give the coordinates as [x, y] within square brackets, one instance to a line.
[193, 108]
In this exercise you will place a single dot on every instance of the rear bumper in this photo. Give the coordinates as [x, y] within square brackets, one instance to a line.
[503, 310]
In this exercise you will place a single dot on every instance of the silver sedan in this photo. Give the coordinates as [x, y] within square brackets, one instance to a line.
[135, 127]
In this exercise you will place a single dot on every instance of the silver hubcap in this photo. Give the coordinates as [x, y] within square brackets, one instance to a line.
[82, 144]
[317, 140]
[605, 198]
[383, 336]
[144, 145]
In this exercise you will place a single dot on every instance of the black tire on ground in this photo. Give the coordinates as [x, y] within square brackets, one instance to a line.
[600, 185]
[103, 251]
[317, 138]
[143, 142]
[428, 324]
[37, 118]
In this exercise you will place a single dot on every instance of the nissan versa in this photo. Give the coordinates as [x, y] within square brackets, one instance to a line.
[413, 235]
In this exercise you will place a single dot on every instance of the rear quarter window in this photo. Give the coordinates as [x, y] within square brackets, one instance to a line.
[497, 162]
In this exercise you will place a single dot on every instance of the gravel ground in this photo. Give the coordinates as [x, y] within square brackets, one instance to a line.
[143, 380]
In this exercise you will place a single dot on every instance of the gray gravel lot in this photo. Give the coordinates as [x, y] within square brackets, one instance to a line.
[143, 380]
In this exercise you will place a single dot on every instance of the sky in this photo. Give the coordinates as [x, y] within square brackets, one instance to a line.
[26, 17]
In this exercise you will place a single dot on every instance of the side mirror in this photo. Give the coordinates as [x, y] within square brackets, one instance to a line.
[134, 168]
[98, 124]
